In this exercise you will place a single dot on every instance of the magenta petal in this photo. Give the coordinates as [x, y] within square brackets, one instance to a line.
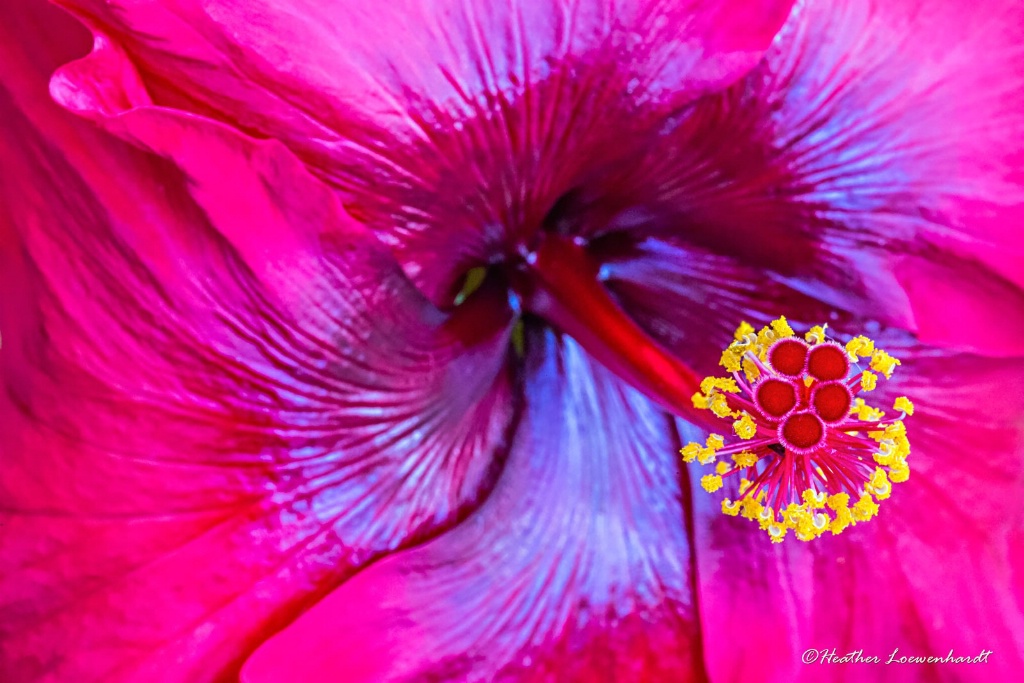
[691, 299]
[218, 394]
[934, 571]
[353, 66]
[576, 568]
[960, 303]
[451, 127]
[873, 160]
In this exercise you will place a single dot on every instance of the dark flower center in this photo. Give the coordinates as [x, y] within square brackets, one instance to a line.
[557, 279]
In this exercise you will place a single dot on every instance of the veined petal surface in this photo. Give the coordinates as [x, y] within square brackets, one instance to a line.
[575, 569]
[451, 127]
[220, 394]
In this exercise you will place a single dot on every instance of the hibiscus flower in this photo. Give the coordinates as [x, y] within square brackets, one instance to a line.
[354, 341]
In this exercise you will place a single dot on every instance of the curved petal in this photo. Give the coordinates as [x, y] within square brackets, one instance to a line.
[691, 299]
[576, 568]
[451, 124]
[873, 160]
[219, 395]
[934, 572]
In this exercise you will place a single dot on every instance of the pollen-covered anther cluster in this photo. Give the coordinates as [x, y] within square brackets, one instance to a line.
[811, 455]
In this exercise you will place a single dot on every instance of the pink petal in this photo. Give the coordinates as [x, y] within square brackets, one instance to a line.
[575, 569]
[351, 64]
[449, 125]
[933, 572]
[219, 395]
[690, 299]
[873, 161]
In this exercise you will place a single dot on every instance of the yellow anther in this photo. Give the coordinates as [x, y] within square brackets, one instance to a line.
[838, 501]
[893, 448]
[690, 451]
[886, 453]
[868, 380]
[743, 330]
[781, 327]
[903, 403]
[899, 472]
[814, 501]
[843, 519]
[722, 467]
[896, 431]
[777, 532]
[746, 340]
[744, 459]
[884, 363]
[731, 360]
[792, 515]
[711, 482]
[751, 508]
[811, 526]
[816, 334]
[700, 401]
[820, 521]
[731, 507]
[865, 508]
[726, 384]
[865, 412]
[705, 455]
[745, 485]
[750, 369]
[745, 427]
[859, 346]
[765, 338]
[879, 485]
[720, 407]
